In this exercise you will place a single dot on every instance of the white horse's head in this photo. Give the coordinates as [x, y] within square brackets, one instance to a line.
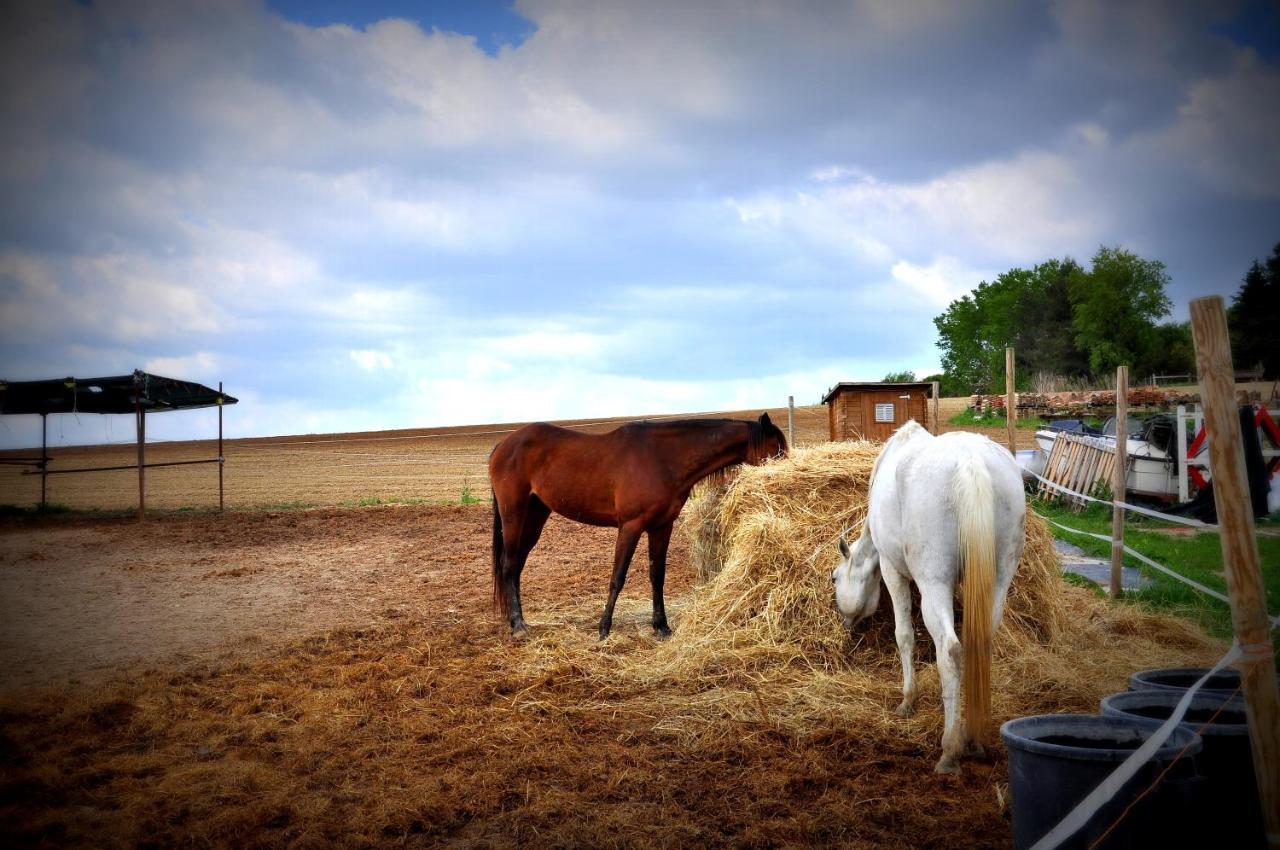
[857, 581]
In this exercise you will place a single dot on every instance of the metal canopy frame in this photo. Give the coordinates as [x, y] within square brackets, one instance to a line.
[136, 393]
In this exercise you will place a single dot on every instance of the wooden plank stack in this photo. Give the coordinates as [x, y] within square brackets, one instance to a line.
[1078, 462]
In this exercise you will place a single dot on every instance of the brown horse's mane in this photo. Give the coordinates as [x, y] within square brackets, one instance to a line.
[755, 441]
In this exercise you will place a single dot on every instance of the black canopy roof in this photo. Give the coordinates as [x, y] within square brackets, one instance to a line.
[118, 394]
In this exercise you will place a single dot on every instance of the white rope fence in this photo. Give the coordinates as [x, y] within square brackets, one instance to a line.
[1182, 520]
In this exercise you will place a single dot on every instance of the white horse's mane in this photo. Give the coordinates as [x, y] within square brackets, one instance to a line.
[907, 432]
[911, 429]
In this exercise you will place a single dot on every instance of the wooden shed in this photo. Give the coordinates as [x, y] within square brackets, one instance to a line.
[873, 411]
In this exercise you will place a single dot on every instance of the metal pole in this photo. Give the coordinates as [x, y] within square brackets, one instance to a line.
[1184, 491]
[1010, 403]
[220, 460]
[791, 421]
[1119, 477]
[1241, 562]
[140, 418]
[44, 458]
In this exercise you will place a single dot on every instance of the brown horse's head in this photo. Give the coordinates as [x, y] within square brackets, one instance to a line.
[766, 441]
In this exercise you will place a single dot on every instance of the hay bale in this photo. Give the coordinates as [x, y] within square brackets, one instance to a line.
[761, 636]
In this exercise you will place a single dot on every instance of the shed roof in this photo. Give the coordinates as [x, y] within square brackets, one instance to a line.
[116, 394]
[875, 385]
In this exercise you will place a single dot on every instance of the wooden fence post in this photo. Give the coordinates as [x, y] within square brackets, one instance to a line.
[937, 425]
[1010, 402]
[791, 421]
[1119, 478]
[1240, 551]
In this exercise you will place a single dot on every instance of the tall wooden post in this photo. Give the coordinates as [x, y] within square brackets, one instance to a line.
[44, 459]
[140, 417]
[1119, 478]
[1010, 403]
[220, 460]
[791, 421]
[1240, 551]
[937, 425]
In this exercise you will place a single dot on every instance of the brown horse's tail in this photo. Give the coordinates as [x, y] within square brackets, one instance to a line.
[976, 528]
[499, 597]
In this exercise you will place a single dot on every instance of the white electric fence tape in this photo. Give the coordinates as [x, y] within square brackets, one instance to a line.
[1208, 591]
[1194, 523]
[1088, 807]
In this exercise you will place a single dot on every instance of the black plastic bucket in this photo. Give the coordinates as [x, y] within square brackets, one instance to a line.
[1228, 800]
[1223, 683]
[1055, 760]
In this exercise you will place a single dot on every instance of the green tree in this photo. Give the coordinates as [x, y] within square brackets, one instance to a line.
[1171, 353]
[1115, 306]
[1044, 339]
[904, 377]
[1255, 317]
[1029, 309]
[948, 387]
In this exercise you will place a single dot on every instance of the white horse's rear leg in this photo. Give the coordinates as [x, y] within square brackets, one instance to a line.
[904, 630]
[939, 618]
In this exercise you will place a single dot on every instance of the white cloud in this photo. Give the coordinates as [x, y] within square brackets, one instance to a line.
[369, 360]
[201, 366]
[642, 207]
[940, 282]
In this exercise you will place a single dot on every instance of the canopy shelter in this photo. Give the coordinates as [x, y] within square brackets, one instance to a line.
[138, 394]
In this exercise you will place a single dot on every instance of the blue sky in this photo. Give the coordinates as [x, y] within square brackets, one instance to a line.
[392, 214]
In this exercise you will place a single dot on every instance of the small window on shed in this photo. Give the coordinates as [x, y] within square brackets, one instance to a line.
[884, 412]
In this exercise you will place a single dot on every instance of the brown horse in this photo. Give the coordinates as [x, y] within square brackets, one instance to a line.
[635, 478]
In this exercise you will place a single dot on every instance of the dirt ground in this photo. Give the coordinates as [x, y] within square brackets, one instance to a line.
[81, 600]
[336, 677]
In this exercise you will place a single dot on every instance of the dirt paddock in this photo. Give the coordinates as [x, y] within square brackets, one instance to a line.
[335, 677]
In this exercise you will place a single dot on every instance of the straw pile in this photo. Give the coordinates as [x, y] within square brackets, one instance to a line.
[761, 637]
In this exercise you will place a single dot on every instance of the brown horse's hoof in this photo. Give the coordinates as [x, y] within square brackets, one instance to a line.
[662, 632]
[519, 632]
[973, 748]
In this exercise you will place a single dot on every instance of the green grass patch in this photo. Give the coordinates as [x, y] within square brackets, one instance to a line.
[284, 506]
[1197, 556]
[996, 419]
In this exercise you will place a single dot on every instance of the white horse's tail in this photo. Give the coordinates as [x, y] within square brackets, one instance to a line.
[976, 530]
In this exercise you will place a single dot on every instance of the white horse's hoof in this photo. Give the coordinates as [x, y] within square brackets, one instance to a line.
[946, 765]
[904, 709]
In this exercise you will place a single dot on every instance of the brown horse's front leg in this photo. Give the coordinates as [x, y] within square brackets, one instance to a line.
[623, 550]
[659, 539]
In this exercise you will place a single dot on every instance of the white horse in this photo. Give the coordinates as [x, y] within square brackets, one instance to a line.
[940, 508]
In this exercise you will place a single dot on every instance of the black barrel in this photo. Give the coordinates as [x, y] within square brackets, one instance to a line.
[1228, 798]
[1055, 760]
[1223, 683]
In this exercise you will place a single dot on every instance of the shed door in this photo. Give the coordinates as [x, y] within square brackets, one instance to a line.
[884, 412]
